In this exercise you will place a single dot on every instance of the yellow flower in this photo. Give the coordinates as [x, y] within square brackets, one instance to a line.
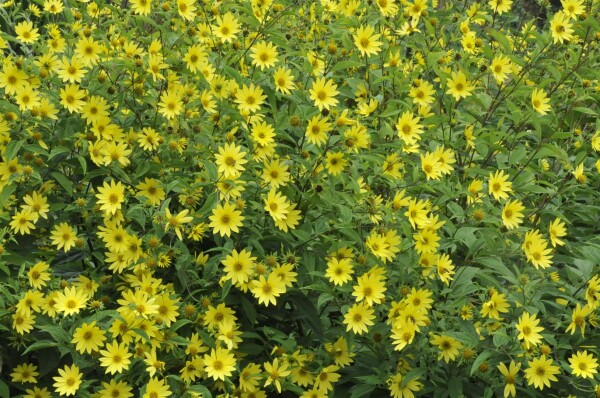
[511, 214]
[448, 346]
[226, 27]
[400, 388]
[68, 381]
[275, 372]
[501, 6]
[445, 268]
[458, 86]
[141, 7]
[113, 389]
[88, 338]
[339, 271]
[175, 221]
[335, 163]
[317, 129]
[325, 379]
[249, 99]
[291, 220]
[540, 101]
[22, 222]
[111, 197]
[239, 266]
[510, 378]
[359, 317]
[323, 93]
[38, 276]
[152, 191]
[495, 306]
[541, 372]
[170, 104]
[579, 174]
[500, 67]
[25, 32]
[409, 129]
[157, 388]
[226, 219]
[266, 290]
[275, 173]
[186, 9]
[70, 301]
[583, 364]
[284, 80]
[561, 27]
[264, 55]
[528, 330]
[557, 230]
[115, 358]
[23, 322]
[578, 318]
[71, 70]
[370, 288]
[366, 40]
[25, 373]
[220, 363]
[499, 186]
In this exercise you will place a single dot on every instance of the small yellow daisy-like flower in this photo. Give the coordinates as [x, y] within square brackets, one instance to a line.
[501, 6]
[220, 363]
[366, 40]
[359, 317]
[88, 338]
[230, 160]
[528, 330]
[512, 214]
[25, 373]
[26, 33]
[115, 358]
[111, 197]
[448, 346]
[510, 377]
[264, 55]
[583, 364]
[250, 98]
[561, 27]
[541, 372]
[458, 86]
[284, 80]
[323, 93]
[225, 219]
[176, 220]
[63, 236]
[540, 101]
[68, 381]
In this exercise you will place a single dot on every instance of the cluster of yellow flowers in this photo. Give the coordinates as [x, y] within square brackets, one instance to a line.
[276, 197]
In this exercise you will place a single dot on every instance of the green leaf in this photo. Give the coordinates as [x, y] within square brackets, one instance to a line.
[63, 181]
[59, 335]
[342, 65]
[12, 149]
[306, 309]
[38, 345]
[500, 339]
[4, 391]
[481, 358]
[199, 388]
[413, 374]
[361, 390]
[500, 38]
[249, 310]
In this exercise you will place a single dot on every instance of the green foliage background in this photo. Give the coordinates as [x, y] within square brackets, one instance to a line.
[540, 154]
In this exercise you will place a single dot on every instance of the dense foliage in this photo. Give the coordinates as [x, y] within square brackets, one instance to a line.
[299, 198]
